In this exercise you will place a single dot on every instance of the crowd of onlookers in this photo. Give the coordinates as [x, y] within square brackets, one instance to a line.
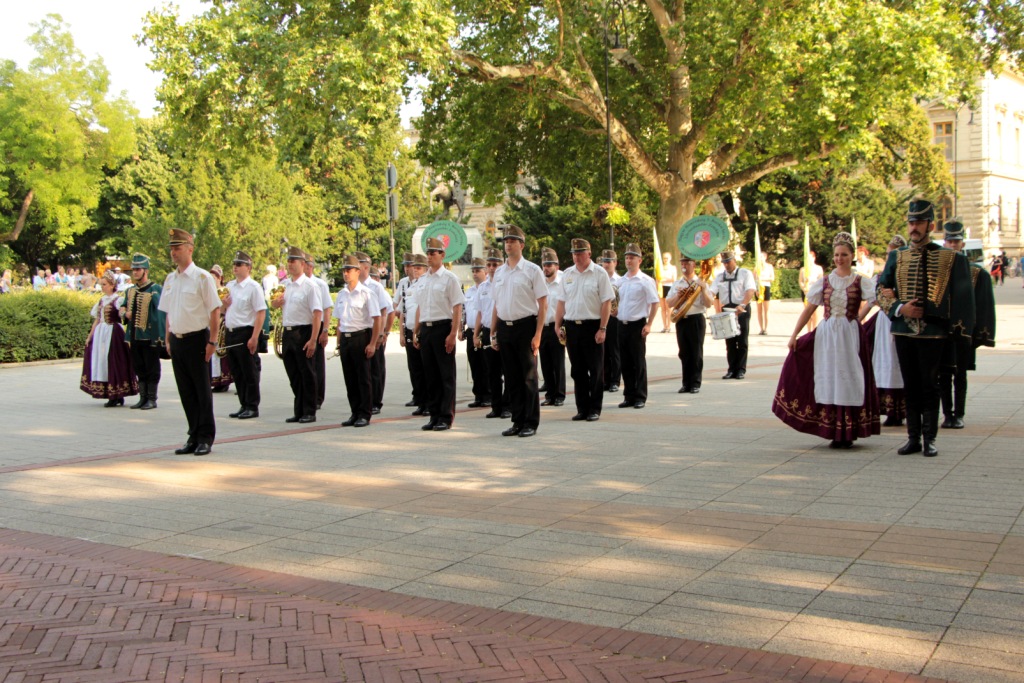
[72, 279]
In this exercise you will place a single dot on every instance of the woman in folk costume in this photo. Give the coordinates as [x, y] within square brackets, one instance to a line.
[220, 369]
[827, 387]
[107, 370]
[886, 366]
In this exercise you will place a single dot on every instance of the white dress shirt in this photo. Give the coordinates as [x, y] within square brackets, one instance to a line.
[324, 289]
[636, 294]
[405, 301]
[187, 299]
[584, 292]
[440, 293]
[517, 289]
[554, 294]
[383, 298]
[356, 308]
[698, 307]
[246, 301]
[485, 302]
[731, 289]
[301, 301]
[471, 308]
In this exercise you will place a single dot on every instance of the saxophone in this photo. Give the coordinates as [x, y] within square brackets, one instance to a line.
[278, 332]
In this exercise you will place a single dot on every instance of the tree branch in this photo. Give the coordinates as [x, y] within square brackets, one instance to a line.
[13, 236]
[759, 170]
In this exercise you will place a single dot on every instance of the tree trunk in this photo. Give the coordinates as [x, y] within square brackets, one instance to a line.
[677, 207]
[13, 236]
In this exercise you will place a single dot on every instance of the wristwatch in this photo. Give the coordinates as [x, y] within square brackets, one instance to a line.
[213, 344]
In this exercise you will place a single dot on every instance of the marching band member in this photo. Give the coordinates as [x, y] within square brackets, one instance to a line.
[378, 370]
[735, 288]
[405, 307]
[220, 368]
[691, 328]
[552, 351]
[145, 330]
[359, 321]
[612, 350]
[320, 357]
[244, 311]
[477, 364]
[638, 306]
[482, 334]
[301, 313]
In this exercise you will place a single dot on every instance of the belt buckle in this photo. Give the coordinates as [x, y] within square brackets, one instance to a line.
[429, 323]
[578, 322]
[510, 323]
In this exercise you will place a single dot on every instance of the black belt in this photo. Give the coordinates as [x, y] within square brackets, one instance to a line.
[357, 333]
[436, 323]
[189, 334]
[522, 321]
[290, 328]
[625, 323]
[580, 322]
[240, 327]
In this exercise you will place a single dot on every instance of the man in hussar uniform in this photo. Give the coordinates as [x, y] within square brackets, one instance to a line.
[638, 306]
[552, 352]
[359, 320]
[320, 357]
[438, 314]
[691, 328]
[378, 370]
[926, 291]
[482, 334]
[612, 348]
[192, 308]
[584, 307]
[960, 352]
[145, 330]
[301, 313]
[735, 288]
[520, 306]
[405, 307]
[477, 364]
[244, 311]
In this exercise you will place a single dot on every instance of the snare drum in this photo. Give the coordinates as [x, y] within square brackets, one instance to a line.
[724, 325]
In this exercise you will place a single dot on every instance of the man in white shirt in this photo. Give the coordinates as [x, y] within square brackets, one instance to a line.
[520, 306]
[552, 351]
[378, 369]
[244, 311]
[192, 319]
[477, 364]
[482, 334]
[612, 351]
[735, 289]
[438, 314]
[691, 328]
[405, 308]
[584, 305]
[359, 320]
[301, 313]
[320, 357]
[638, 306]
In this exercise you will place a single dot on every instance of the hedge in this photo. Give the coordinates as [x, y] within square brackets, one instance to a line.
[44, 325]
[787, 284]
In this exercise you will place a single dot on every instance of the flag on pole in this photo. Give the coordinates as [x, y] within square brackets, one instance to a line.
[757, 263]
[807, 254]
[853, 231]
[657, 261]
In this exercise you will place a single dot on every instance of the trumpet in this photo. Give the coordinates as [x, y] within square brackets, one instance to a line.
[692, 291]
[276, 292]
[222, 292]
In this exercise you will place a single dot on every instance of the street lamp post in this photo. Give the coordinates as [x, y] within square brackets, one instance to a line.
[356, 223]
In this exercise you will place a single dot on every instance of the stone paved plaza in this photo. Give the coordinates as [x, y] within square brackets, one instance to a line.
[700, 517]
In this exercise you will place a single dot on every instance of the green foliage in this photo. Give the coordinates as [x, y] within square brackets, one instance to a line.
[786, 284]
[58, 129]
[44, 325]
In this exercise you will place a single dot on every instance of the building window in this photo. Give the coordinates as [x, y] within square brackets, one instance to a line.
[944, 137]
[945, 212]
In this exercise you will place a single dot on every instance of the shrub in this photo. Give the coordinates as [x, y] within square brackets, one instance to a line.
[44, 325]
[787, 284]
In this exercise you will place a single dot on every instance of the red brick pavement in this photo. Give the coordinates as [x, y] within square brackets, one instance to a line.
[81, 611]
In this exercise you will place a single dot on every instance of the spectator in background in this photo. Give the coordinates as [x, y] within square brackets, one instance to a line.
[806, 280]
[865, 264]
[39, 280]
[996, 269]
[51, 279]
[5, 282]
[270, 280]
[61, 278]
[88, 280]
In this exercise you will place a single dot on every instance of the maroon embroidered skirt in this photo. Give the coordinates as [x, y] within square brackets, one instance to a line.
[121, 380]
[794, 401]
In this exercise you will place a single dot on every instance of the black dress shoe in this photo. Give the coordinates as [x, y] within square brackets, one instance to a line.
[442, 427]
[612, 388]
[112, 403]
[579, 417]
[694, 390]
[892, 422]
[512, 431]
[557, 403]
[349, 422]
[361, 422]
[493, 413]
[485, 404]
[930, 451]
[639, 404]
[236, 413]
[473, 404]
[410, 404]
[527, 431]
[306, 419]
[958, 423]
[506, 414]
[293, 418]
[740, 375]
[248, 414]
[375, 411]
[911, 446]
[593, 417]
[947, 423]
[420, 411]
[186, 449]
[547, 402]
[543, 388]
[429, 426]
[683, 390]
[202, 449]
[626, 404]
[728, 375]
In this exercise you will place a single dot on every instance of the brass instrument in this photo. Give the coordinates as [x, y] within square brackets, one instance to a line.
[692, 291]
[277, 333]
[561, 337]
[615, 302]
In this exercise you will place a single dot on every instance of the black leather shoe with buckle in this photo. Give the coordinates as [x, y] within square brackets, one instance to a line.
[511, 431]
[186, 449]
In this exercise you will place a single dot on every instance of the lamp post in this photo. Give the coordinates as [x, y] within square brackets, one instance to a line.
[356, 223]
[608, 121]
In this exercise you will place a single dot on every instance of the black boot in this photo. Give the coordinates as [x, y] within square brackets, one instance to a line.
[142, 397]
[150, 396]
[930, 428]
[913, 444]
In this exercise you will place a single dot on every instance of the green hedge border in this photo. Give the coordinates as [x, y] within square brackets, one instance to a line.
[44, 325]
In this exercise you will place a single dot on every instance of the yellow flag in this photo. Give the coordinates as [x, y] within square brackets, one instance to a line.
[757, 263]
[657, 260]
[807, 254]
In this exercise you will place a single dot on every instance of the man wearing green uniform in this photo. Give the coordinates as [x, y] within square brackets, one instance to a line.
[926, 291]
[145, 330]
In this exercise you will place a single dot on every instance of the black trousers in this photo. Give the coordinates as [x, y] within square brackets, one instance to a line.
[301, 374]
[919, 365]
[477, 368]
[438, 371]
[320, 368]
[633, 350]
[953, 377]
[414, 361]
[245, 367]
[552, 363]
[520, 366]
[192, 375]
[587, 359]
[612, 353]
[736, 347]
[495, 372]
[690, 332]
[146, 359]
[378, 377]
[355, 366]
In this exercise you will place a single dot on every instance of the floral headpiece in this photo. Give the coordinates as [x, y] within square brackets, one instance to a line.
[897, 242]
[843, 238]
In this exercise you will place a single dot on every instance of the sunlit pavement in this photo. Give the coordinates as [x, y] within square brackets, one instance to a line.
[700, 517]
